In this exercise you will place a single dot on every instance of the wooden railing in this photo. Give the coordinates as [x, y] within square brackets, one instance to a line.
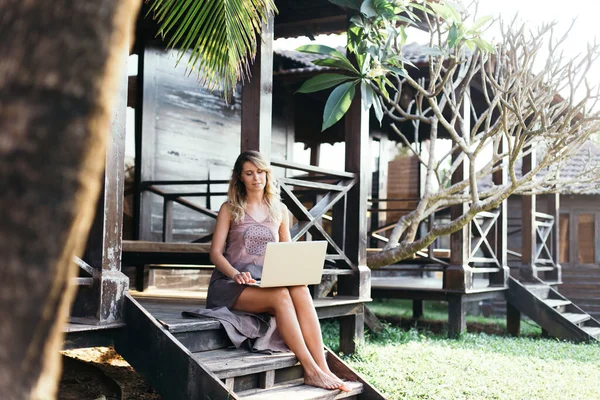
[544, 249]
[318, 198]
[483, 248]
[171, 197]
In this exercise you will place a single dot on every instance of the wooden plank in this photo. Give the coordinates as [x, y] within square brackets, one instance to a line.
[304, 392]
[166, 364]
[144, 246]
[146, 135]
[309, 168]
[528, 232]
[257, 96]
[372, 321]
[313, 185]
[344, 371]
[227, 363]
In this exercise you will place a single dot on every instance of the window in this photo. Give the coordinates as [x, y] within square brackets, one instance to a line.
[586, 238]
[563, 255]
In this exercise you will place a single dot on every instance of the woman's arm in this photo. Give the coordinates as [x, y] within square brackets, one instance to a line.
[284, 227]
[217, 247]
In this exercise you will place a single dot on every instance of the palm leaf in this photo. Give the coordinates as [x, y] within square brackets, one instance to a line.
[218, 36]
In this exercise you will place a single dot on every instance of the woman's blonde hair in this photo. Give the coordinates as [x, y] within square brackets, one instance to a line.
[237, 190]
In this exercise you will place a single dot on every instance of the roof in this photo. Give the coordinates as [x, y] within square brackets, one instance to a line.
[299, 62]
[587, 157]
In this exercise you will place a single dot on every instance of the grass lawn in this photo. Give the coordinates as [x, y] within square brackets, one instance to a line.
[409, 364]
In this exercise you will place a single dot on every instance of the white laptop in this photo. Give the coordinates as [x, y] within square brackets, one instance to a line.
[292, 264]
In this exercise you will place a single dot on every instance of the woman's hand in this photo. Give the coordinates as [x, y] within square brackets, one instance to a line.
[243, 278]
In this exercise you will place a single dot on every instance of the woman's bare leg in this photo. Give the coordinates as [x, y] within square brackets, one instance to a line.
[278, 302]
[309, 323]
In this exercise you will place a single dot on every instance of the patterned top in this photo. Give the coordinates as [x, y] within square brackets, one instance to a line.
[247, 242]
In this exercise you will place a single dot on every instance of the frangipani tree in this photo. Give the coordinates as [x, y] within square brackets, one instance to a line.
[529, 97]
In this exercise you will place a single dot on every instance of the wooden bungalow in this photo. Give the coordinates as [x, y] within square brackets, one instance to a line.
[577, 242]
[471, 265]
[186, 142]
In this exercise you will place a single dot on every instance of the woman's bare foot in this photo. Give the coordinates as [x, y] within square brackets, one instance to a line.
[324, 380]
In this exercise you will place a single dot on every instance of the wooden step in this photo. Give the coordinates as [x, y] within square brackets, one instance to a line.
[555, 303]
[228, 363]
[299, 391]
[592, 331]
[576, 318]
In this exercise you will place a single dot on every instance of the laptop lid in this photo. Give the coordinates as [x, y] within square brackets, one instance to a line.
[293, 263]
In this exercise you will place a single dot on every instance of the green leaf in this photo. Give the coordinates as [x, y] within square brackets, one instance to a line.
[443, 11]
[453, 36]
[321, 49]
[351, 4]
[367, 94]
[378, 109]
[322, 81]
[482, 44]
[431, 51]
[481, 22]
[338, 103]
[335, 63]
[368, 9]
[218, 37]
[398, 71]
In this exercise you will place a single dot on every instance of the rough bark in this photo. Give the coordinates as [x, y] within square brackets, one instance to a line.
[58, 61]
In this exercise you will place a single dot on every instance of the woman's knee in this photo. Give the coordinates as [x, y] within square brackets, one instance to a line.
[281, 298]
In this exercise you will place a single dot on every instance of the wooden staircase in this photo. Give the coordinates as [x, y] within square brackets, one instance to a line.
[192, 358]
[556, 314]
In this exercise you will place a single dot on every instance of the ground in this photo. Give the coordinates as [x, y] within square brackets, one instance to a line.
[99, 373]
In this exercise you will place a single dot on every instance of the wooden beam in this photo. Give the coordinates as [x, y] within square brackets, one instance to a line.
[103, 252]
[257, 97]
[554, 210]
[528, 234]
[459, 275]
[499, 236]
[146, 136]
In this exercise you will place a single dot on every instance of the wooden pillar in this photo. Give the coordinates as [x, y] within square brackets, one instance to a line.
[554, 209]
[457, 322]
[528, 238]
[257, 97]
[357, 161]
[513, 320]
[418, 309]
[145, 136]
[459, 275]
[103, 252]
[500, 238]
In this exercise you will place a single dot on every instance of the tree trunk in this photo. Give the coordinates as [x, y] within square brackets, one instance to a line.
[59, 59]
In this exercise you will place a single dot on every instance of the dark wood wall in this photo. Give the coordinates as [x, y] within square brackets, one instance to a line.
[188, 133]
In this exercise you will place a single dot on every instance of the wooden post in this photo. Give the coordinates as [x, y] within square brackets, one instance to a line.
[500, 238]
[528, 238]
[257, 97]
[513, 320]
[103, 253]
[146, 136]
[457, 322]
[554, 209]
[418, 309]
[167, 234]
[459, 275]
[357, 161]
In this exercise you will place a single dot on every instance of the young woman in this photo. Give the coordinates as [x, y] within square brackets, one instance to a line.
[253, 216]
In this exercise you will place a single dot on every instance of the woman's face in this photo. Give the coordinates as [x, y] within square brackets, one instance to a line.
[254, 178]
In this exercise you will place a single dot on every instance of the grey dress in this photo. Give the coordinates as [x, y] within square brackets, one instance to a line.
[245, 251]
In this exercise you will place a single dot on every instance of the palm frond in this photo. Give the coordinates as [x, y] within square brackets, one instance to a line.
[218, 36]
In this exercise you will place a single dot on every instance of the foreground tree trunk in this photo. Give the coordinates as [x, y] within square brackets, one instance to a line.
[58, 62]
